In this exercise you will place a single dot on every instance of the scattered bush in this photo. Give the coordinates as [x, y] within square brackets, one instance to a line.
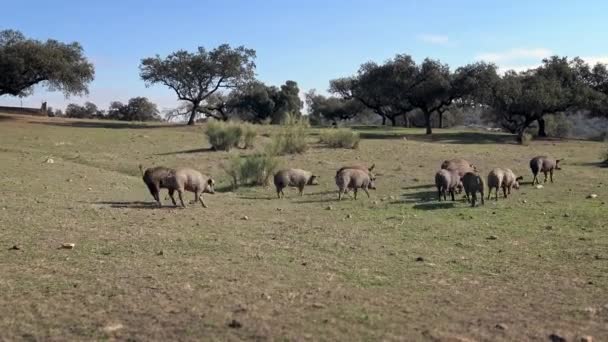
[340, 138]
[225, 135]
[249, 135]
[253, 169]
[525, 139]
[291, 139]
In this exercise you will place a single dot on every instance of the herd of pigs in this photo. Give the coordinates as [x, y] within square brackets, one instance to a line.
[454, 176]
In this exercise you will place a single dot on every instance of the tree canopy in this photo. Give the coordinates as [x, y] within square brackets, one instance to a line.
[58, 66]
[137, 109]
[195, 76]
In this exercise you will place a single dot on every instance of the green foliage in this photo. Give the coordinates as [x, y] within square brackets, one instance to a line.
[224, 136]
[331, 109]
[137, 109]
[260, 103]
[291, 139]
[27, 62]
[340, 138]
[558, 125]
[253, 169]
[196, 76]
[249, 135]
[88, 111]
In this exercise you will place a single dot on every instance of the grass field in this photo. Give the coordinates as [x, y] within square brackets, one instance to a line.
[397, 266]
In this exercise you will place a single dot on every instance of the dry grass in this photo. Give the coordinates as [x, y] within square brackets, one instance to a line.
[301, 272]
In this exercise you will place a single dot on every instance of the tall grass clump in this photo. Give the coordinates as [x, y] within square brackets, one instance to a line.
[224, 136]
[291, 139]
[255, 169]
[340, 138]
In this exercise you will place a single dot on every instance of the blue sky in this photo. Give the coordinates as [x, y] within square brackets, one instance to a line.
[309, 42]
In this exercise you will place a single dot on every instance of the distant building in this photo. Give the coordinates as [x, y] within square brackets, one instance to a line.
[42, 111]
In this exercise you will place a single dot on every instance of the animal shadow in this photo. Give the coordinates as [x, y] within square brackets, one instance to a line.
[134, 205]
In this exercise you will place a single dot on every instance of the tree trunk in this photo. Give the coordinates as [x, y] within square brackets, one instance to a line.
[440, 119]
[192, 114]
[541, 128]
[427, 120]
[393, 120]
[383, 120]
[406, 121]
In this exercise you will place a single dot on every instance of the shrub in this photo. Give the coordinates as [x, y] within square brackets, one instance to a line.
[291, 139]
[340, 138]
[525, 139]
[253, 169]
[249, 135]
[225, 135]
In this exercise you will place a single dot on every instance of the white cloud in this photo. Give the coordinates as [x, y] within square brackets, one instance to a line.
[436, 39]
[593, 60]
[514, 55]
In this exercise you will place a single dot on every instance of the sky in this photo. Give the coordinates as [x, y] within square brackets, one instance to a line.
[310, 42]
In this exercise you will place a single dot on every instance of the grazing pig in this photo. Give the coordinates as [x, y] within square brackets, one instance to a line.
[502, 178]
[459, 165]
[358, 167]
[186, 179]
[473, 183]
[293, 177]
[545, 165]
[354, 179]
[447, 181]
[157, 178]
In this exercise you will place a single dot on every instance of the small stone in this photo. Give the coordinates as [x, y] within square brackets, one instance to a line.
[161, 252]
[245, 218]
[592, 196]
[234, 324]
[415, 180]
[49, 161]
[113, 327]
[14, 248]
[329, 207]
[539, 186]
[501, 326]
[566, 215]
[419, 259]
[549, 227]
[89, 189]
[524, 201]
[492, 237]
[68, 245]
[318, 305]
[349, 216]
[304, 263]
[376, 202]
[69, 180]
[586, 338]
[279, 209]
[392, 198]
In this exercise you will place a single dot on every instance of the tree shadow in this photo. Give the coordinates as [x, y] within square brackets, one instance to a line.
[134, 205]
[421, 186]
[106, 124]
[470, 137]
[196, 150]
[602, 164]
[434, 205]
